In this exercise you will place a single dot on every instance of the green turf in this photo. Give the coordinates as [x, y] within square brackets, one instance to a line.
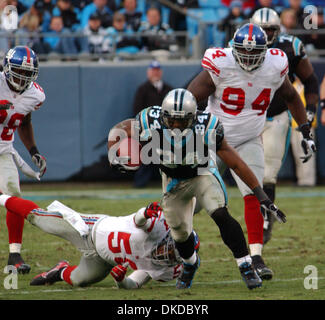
[298, 243]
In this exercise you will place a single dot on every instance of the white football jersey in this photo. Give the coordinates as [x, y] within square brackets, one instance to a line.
[20, 105]
[118, 240]
[241, 98]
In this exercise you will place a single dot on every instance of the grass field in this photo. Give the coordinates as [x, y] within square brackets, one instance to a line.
[298, 243]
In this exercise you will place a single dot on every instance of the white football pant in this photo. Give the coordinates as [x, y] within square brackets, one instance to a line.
[276, 140]
[181, 196]
[305, 172]
[9, 176]
[92, 268]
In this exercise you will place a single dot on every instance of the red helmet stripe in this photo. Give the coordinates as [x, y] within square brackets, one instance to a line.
[28, 54]
[250, 32]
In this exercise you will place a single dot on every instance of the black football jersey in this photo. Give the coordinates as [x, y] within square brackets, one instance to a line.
[179, 154]
[295, 51]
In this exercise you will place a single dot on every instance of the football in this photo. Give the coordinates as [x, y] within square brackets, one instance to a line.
[130, 149]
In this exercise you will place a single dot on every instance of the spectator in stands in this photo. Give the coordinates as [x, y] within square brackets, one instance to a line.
[60, 45]
[120, 38]
[46, 8]
[157, 37]
[177, 20]
[149, 93]
[288, 20]
[105, 8]
[235, 17]
[296, 5]
[95, 35]
[80, 4]
[20, 7]
[133, 17]
[5, 42]
[263, 4]
[69, 15]
[247, 5]
[28, 33]
[316, 40]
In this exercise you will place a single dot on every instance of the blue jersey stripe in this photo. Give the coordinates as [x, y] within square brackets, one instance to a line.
[213, 121]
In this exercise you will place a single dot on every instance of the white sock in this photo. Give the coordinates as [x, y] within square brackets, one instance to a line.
[14, 247]
[244, 259]
[192, 259]
[256, 249]
[3, 199]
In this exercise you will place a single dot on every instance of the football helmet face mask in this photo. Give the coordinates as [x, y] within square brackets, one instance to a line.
[165, 253]
[20, 67]
[269, 20]
[178, 109]
[249, 46]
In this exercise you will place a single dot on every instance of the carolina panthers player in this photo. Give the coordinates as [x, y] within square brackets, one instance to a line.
[239, 83]
[20, 96]
[277, 126]
[184, 142]
[109, 244]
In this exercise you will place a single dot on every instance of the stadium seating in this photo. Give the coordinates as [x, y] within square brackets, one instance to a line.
[210, 3]
[209, 17]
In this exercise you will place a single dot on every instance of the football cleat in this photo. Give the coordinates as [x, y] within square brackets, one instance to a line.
[184, 281]
[18, 262]
[262, 270]
[250, 276]
[51, 276]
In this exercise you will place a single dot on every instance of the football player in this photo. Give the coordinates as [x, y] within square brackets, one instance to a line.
[278, 118]
[109, 244]
[183, 142]
[20, 96]
[239, 83]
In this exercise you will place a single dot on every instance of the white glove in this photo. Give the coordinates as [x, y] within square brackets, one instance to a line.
[40, 162]
[24, 167]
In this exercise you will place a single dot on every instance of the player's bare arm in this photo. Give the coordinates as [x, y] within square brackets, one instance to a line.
[322, 101]
[293, 100]
[202, 86]
[26, 132]
[306, 74]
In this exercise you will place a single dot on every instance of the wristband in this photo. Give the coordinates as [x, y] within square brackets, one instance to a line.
[322, 104]
[33, 150]
[311, 107]
[260, 194]
[305, 130]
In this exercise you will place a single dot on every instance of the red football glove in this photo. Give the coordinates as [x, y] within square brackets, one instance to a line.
[119, 272]
[152, 210]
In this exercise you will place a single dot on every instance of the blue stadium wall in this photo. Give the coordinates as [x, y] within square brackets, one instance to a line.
[84, 101]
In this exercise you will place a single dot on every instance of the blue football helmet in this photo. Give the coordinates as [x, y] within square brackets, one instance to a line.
[20, 67]
[249, 46]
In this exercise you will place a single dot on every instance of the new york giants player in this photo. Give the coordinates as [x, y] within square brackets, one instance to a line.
[20, 96]
[278, 119]
[240, 82]
[109, 244]
[184, 142]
